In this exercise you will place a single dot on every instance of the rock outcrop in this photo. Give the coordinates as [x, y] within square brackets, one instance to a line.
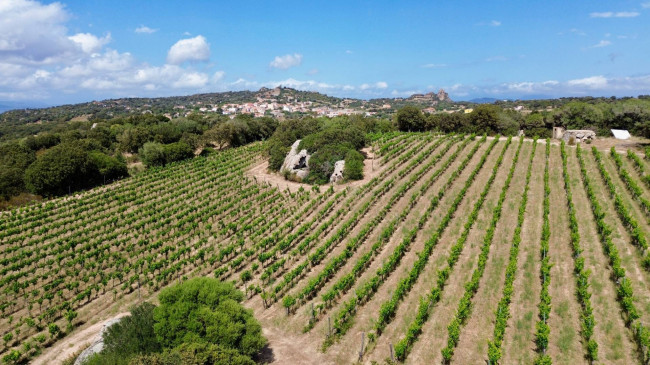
[96, 346]
[578, 135]
[337, 175]
[296, 162]
[443, 96]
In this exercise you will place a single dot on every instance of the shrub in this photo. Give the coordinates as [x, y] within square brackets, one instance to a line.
[133, 334]
[410, 119]
[195, 353]
[177, 152]
[152, 154]
[203, 310]
[353, 166]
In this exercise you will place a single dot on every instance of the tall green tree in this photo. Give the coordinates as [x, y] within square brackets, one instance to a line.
[61, 169]
[14, 160]
[410, 119]
[152, 154]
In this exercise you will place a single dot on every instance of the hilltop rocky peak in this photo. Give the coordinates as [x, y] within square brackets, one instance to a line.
[431, 97]
[442, 95]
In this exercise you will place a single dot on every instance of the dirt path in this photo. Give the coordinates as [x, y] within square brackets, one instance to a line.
[73, 343]
[565, 340]
[630, 255]
[614, 343]
[371, 168]
[473, 341]
[434, 331]
[518, 346]
[395, 209]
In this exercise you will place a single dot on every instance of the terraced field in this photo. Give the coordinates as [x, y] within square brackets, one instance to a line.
[460, 249]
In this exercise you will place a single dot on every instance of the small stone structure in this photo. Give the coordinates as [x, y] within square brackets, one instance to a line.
[337, 175]
[579, 135]
[97, 346]
[296, 162]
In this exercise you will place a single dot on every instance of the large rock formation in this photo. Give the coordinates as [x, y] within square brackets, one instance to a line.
[430, 97]
[337, 175]
[578, 135]
[98, 345]
[443, 96]
[296, 162]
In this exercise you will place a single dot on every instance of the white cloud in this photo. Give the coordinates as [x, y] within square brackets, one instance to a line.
[349, 51]
[434, 65]
[593, 82]
[145, 29]
[491, 23]
[218, 76]
[40, 58]
[190, 49]
[286, 61]
[594, 85]
[377, 85]
[33, 33]
[90, 43]
[611, 14]
[602, 43]
[646, 5]
[313, 71]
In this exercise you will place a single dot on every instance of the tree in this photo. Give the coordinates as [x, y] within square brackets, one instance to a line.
[60, 169]
[133, 334]
[353, 166]
[195, 354]
[152, 154]
[132, 139]
[177, 152]
[14, 160]
[204, 310]
[485, 118]
[410, 119]
[107, 167]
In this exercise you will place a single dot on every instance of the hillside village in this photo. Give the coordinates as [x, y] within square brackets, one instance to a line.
[282, 102]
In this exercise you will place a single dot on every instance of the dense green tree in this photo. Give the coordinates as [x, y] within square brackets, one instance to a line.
[508, 123]
[61, 169]
[41, 141]
[14, 160]
[102, 135]
[449, 122]
[580, 115]
[134, 333]
[132, 139]
[107, 168]
[204, 310]
[195, 354]
[353, 166]
[485, 118]
[535, 125]
[321, 163]
[166, 133]
[152, 154]
[177, 152]
[410, 119]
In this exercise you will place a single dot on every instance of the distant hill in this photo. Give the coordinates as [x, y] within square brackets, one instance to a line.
[16, 114]
[483, 100]
[11, 105]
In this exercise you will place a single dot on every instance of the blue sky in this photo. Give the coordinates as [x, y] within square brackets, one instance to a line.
[72, 51]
